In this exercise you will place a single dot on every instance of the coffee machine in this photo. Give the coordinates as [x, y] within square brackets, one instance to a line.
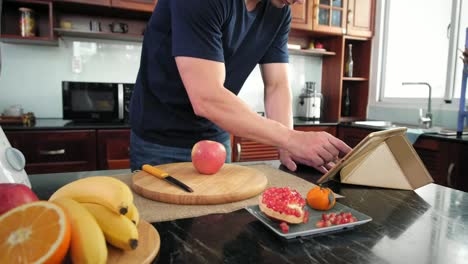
[309, 106]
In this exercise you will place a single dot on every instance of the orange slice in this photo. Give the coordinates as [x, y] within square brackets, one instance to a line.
[37, 232]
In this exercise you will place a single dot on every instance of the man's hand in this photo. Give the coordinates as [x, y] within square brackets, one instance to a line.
[319, 150]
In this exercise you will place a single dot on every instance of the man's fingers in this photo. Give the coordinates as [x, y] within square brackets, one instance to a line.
[340, 145]
[332, 149]
[325, 155]
[322, 169]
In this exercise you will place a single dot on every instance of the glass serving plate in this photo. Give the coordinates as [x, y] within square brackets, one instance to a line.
[309, 228]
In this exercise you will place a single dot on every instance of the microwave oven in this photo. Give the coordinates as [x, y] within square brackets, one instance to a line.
[96, 102]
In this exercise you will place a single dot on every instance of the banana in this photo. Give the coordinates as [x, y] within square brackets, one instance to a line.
[118, 230]
[107, 191]
[133, 214]
[88, 244]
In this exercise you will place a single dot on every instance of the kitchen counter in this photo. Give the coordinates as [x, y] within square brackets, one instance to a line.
[463, 139]
[61, 124]
[428, 225]
[58, 123]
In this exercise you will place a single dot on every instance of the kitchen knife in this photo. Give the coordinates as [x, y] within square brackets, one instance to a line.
[165, 176]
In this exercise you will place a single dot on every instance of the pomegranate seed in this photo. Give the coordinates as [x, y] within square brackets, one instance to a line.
[320, 224]
[284, 227]
[325, 217]
[306, 217]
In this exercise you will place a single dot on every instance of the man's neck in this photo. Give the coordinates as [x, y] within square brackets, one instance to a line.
[251, 4]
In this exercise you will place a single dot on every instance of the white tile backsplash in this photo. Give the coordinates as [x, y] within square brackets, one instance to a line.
[32, 75]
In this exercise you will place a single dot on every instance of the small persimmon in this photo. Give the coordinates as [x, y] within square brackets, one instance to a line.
[321, 198]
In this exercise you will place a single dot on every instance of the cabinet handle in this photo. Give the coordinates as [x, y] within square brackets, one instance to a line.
[239, 150]
[449, 174]
[52, 152]
[348, 18]
[315, 11]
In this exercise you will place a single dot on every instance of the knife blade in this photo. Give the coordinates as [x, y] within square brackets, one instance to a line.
[165, 176]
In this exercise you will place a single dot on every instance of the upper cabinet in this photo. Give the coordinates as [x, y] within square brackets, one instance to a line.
[329, 16]
[360, 18]
[27, 21]
[335, 17]
[139, 5]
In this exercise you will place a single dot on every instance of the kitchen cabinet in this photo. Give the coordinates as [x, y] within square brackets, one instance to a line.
[139, 5]
[56, 151]
[352, 136]
[335, 17]
[457, 171]
[43, 17]
[360, 18]
[335, 83]
[87, 2]
[248, 150]
[113, 149]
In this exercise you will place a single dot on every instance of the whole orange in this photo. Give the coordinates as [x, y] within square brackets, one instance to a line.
[321, 198]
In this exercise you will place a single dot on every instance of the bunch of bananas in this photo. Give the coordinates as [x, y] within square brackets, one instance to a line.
[100, 209]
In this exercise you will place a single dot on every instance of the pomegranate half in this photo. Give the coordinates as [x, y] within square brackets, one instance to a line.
[284, 204]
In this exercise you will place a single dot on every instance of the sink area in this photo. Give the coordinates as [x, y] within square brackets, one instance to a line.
[415, 128]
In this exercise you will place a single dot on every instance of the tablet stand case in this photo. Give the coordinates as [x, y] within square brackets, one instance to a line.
[383, 159]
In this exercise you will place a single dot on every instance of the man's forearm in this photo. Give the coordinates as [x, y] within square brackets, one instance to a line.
[278, 104]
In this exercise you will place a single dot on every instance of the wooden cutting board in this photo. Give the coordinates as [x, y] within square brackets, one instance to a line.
[149, 244]
[231, 183]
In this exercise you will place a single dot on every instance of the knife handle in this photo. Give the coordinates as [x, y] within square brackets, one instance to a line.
[155, 171]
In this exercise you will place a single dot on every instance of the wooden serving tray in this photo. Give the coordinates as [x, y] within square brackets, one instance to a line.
[149, 244]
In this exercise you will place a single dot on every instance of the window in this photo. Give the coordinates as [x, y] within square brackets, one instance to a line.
[414, 42]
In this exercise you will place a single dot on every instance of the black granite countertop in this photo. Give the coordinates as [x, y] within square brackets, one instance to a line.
[428, 225]
[463, 139]
[61, 124]
[58, 123]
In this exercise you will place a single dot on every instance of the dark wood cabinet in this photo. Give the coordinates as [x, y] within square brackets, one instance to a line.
[457, 170]
[329, 129]
[56, 151]
[335, 83]
[87, 2]
[139, 5]
[352, 136]
[113, 149]
[249, 150]
[42, 14]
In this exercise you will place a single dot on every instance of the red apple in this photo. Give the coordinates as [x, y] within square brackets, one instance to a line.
[13, 195]
[318, 45]
[208, 156]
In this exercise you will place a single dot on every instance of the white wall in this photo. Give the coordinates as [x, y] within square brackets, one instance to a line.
[31, 75]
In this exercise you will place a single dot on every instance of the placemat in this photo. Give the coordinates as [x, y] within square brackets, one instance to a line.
[153, 211]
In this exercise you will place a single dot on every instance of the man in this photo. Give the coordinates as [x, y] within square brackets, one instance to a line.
[196, 56]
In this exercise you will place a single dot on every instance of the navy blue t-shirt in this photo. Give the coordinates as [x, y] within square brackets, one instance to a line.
[218, 30]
